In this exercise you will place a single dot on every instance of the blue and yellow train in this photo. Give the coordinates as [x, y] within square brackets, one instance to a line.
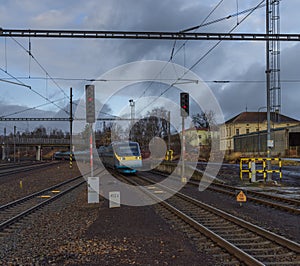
[124, 156]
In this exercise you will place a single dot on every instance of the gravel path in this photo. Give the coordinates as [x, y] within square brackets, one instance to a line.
[72, 232]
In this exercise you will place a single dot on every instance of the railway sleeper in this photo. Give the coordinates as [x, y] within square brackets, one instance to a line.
[258, 244]
[275, 260]
[283, 255]
[240, 231]
[268, 252]
[224, 227]
[248, 239]
[277, 263]
[211, 223]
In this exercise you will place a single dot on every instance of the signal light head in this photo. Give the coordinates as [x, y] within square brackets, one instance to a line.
[184, 104]
[90, 103]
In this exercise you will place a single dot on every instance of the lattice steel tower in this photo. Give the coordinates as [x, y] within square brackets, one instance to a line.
[274, 28]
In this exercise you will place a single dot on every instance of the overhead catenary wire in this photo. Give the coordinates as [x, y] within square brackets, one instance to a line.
[29, 109]
[172, 52]
[218, 42]
[202, 57]
[171, 57]
[29, 51]
[141, 80]
[223, 18]
[29, 87]
[202, 24]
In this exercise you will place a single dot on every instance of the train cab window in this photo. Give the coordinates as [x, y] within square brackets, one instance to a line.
[127, 150]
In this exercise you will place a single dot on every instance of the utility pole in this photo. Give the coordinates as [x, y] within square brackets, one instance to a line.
[15, 130]
[268, 72]
[184, 112]
[6, 144]
[169, 130]
[71, 128]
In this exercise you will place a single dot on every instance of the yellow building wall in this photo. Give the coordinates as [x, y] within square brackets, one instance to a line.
[228, 131]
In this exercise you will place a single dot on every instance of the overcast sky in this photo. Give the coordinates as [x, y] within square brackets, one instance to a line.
[71, 62]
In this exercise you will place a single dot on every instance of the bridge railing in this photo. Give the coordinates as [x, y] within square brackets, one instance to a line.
[41, 141]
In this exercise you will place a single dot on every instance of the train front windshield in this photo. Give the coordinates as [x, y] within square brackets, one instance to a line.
[127, 150]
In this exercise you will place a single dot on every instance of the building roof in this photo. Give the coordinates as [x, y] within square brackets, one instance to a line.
[259, 117]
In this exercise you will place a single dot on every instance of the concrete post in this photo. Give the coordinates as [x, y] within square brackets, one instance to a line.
[253, 172]
[3, 152]
[38, 153]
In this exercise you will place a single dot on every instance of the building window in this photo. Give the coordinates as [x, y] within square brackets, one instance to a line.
[247, 130]
[237, 131]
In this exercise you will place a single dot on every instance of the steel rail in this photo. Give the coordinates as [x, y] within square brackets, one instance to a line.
[258, 197]
[252, 196]
[32, 209]
[21, 215]
[232, 249]
[33, 195]
[24, 168]
[270, 235]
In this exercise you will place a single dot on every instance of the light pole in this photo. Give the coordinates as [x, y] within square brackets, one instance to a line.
[15, 131]
[132, 111]
[132, 115]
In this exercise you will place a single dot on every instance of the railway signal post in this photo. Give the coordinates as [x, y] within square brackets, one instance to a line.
[184, 112]
[90, 117]
[93, 182]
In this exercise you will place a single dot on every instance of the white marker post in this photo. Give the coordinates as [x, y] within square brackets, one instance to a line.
[93, 189]
[114, 199]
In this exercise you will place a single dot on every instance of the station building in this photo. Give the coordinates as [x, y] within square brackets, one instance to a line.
[247, 133]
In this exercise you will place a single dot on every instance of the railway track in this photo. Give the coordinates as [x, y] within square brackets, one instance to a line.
[273, 201]
[18, 168]
[10, 165]
[279, 202]
[245, 242]
[17, 210]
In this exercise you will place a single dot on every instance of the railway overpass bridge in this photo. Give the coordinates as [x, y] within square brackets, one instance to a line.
[11, 144]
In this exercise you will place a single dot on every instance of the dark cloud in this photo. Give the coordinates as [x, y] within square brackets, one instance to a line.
[88, 59]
